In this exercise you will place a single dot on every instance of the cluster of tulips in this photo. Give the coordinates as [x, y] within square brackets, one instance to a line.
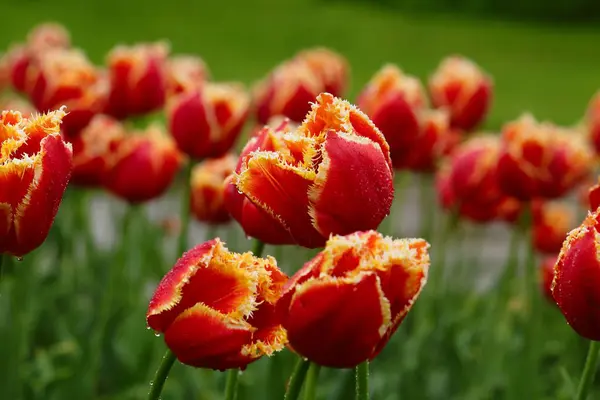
[316, 172]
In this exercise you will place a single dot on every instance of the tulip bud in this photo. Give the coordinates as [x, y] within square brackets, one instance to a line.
[138, 79]
[331, 68]
[541, 160]
[48, 36]
[551, 223]
[547, 276]
[208, 189]
[216, 308]
[92, 150]
[288, 91]
[593, 121]
[143, 165]
[342, 307]
[35, 167]
[205, 123]
[577, 278]
[332, 175]
[464, 88]
[185, 73]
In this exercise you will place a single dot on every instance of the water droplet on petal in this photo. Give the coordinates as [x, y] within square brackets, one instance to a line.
[156, 334]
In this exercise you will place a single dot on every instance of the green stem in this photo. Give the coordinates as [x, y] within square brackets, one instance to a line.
[297, 379]
[587, 378]
[258, 248]
[185, 210]
[362, 381]
[310, 385]
[157, 384]
[426, 201]
[232, 384]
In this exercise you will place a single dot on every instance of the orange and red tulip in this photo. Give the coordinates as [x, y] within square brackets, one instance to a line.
[138, 79]
[216, 308]
[342, 307]
[461, 86]
[208, 189]
[185, 73]
[331, 68]
[541, 159]
[577, 278]
[332, 175]
[552, 222]
[206, 122]
[143, 165]
[35, 167]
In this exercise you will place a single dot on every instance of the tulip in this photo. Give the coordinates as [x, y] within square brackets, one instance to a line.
[332, 175]
[208, 189]
[288, 91]
[577, 278]
[468, 182]
[464, 88]
[594, 196]
[216, 308]
[93, 148]
[35, 167]
[342, 307]
[547, 276]
[138, 79]
[331, 68]
[205, 123]
[68, 77]
[551, 224]
[184, 73]
[143, 165]
[48, 36]
[541, 160]
[593, 121]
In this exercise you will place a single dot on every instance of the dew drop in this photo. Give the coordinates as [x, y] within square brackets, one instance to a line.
[19, 258]
[157, 334]
[151, 383]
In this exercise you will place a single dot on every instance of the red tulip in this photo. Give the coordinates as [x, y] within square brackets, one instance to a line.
[547, 276]
[47, 36]
[331, 68]
[577, 278]
[551, 224]
[35, 167]
[541, 160]
[138, 79]
[93, 148]
[216, 308]
[333, 175]
[343, 306]
[208, 189]
[143, 165]
[185, 73]
[205, 123]
[464, 88]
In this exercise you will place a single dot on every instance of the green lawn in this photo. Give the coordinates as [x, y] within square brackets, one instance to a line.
[551, 71]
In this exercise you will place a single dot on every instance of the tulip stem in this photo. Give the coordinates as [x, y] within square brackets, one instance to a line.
[362, 381]
[185, 210]
[587, 378]
[160, 377]
[310, 385]
[258, 248]
[297, 379]
[232, 384]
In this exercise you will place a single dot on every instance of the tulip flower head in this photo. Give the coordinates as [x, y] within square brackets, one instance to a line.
[216, 308]
[331, 68]
[577, 278]
[552, 221]
[332, 175]
[205, 123]
[208, 189]
[184, 73]
[35, 167]
[342, 307]
[541, 159]
[464, 88]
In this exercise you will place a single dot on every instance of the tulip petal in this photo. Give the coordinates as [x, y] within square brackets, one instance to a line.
[5, 221]
[353, 175]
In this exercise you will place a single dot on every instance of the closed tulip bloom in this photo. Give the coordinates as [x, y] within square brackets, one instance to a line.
[333, 175]
[208, 189]
[205, 123]
[35, 167]
[143, 165]
[93, 149]
[547, 276]
[552, 221]
[460, 85]
[216, 308]
[577, 278]
[541, 159]
[593, 121]
[331, 68]
[185, 73]
[288, 91]
[342, 307]
[138, 79]
[47, 36]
